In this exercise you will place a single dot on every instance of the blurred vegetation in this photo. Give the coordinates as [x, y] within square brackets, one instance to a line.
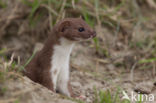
[123, 17]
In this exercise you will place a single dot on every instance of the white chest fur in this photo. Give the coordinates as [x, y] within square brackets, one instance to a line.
[60, 66]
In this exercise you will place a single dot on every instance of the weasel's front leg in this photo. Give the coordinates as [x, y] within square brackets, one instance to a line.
[62, 83]
[54, 74]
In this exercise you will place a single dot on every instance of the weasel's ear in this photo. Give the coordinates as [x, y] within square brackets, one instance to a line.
[63, 26]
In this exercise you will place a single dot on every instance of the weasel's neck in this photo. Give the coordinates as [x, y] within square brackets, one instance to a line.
[61, 54]
[62, 50]
[56, 50]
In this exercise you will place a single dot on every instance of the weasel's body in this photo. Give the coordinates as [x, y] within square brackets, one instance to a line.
[50, 66]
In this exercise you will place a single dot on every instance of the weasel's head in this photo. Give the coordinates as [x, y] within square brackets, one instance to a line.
[75, 29]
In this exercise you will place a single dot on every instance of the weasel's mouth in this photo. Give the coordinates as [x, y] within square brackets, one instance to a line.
[85, 37]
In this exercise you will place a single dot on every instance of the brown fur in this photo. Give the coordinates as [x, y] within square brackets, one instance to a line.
[38, 69]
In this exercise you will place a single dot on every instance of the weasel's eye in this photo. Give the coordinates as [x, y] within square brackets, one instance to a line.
[81, 29]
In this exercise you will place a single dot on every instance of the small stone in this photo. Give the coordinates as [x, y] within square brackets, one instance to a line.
[144, 87]
[76, 84]
[88, 100]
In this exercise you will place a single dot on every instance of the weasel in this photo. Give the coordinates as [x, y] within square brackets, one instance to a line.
[50, 66]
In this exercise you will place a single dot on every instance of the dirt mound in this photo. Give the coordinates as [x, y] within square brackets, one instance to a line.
[22, 90]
